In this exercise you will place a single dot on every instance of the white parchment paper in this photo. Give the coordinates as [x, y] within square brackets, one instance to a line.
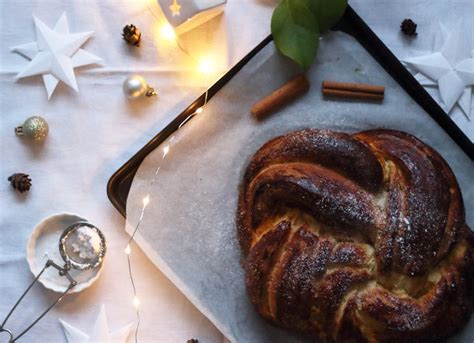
[189, 231]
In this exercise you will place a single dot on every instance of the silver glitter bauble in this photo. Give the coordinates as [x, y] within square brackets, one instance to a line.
[34, 127]
[135, 87]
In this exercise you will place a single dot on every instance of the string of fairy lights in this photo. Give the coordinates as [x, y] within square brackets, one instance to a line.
[168, 33]
[145, 202]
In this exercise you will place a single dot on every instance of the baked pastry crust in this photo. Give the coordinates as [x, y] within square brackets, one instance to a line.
[356, 238]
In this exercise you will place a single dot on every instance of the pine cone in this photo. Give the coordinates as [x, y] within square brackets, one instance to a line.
[408, 27]
[21, 182]
[131, 34]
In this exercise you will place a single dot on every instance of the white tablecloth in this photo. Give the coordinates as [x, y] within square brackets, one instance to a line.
[95, 131]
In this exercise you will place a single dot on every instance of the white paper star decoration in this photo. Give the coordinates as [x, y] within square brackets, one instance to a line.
[450, 66]
[99, 334]
[55, 54]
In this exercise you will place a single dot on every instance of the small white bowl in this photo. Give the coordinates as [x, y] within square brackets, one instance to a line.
[43, 245]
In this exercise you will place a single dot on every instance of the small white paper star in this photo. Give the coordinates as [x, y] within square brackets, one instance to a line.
[451, 67]
[55, 54]
[100, 332]
[175, 8]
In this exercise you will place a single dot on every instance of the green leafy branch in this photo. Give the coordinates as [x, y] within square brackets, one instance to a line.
[297, 24]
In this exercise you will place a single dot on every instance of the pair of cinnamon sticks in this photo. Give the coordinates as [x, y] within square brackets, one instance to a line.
[360, 91]
[300, 85]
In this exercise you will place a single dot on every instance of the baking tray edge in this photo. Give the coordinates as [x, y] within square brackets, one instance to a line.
[120, 182]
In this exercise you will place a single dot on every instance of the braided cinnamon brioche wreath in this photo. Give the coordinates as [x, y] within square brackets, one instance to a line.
[356, 238]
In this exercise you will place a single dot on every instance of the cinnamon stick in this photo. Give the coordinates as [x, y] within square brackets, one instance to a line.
[352, 95]
[354, 87]
[280, 97]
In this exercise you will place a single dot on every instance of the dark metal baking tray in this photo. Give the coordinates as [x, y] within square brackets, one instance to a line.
[119, 184]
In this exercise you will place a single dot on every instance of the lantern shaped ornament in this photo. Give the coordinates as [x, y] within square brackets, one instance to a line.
[185, 15]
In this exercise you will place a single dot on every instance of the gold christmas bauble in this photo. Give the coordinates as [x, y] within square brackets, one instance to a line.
[35, 128]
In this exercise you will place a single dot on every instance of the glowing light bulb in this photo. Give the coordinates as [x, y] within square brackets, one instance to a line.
[146, 200]
[205, 66]
[128, 250]
[167, 32]
[199, 110]
[136, 301]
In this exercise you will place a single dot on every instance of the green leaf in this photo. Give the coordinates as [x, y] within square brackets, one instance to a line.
[295, 31]
[327, 12]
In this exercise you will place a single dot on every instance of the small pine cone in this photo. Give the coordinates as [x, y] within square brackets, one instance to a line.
[21, 182]
[408, 27]
[192, 340]
[131, 34]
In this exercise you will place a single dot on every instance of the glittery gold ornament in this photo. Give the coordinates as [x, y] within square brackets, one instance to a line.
[35, 128]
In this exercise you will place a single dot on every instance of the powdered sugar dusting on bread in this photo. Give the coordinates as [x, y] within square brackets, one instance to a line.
[376, 250]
